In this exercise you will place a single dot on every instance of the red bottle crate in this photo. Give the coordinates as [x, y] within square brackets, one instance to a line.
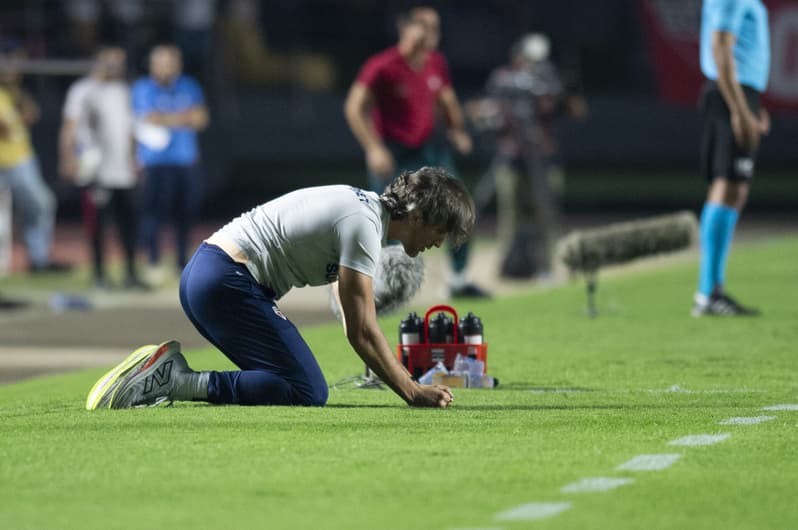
[418, 358]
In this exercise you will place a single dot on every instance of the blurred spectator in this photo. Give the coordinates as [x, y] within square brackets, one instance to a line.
[135, 26]
[193, 33]
[96, 152]
[128, 22]
[170, 109]
[19, 168]
[524, 98]
[83, 17]
[254, 64]
[402, 88]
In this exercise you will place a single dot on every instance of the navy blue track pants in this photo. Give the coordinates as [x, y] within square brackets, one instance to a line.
[239, 316]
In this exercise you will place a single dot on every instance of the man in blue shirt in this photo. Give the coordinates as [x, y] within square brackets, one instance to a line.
[170, 109]
[735, 58]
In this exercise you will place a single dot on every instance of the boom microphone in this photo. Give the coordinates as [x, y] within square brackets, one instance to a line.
[586, 251]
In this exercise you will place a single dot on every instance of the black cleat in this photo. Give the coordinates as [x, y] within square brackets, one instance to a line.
[721, 304]
[468, 290]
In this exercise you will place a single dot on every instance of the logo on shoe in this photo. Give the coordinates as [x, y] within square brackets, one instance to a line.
[160, 377]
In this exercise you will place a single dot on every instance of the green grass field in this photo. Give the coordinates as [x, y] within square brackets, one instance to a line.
[578, 397]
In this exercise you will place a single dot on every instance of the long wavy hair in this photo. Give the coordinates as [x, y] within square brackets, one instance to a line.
[442, 200]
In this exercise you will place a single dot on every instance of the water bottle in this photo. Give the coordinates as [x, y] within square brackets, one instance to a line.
[426, 379]
[420, 324]
[409, 333]
[460, 364]
[438, 328]
[471, 330]
[449, 335]
[484, 381]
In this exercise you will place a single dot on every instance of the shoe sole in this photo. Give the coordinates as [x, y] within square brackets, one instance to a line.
[171, 346]
[107, 381]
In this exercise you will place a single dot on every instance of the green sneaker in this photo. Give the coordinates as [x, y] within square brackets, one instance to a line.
[153, 382]
[103, 390]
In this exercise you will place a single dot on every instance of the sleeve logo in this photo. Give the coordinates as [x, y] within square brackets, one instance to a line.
[361, 195]
[331, 273]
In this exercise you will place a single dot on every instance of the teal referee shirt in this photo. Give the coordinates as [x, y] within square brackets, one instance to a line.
[747, 20]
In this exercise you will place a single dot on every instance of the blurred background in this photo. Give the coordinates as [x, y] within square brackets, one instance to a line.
[275, 75]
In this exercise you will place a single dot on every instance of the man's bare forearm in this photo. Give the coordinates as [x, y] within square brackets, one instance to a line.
[358, 104]
[452, 111]
[28, 108]
[5, 129]
[194, 118]
[362, 128]
[373, 348]
[730, 88]
[197, 118]
[67, 139]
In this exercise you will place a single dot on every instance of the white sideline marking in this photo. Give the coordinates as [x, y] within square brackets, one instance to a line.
[587, 485]
[790, 406]
[649, 462]
[700, 439]
[743, 420]
[533, 511]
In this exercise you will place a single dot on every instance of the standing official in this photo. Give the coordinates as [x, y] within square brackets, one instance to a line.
[391, 110]
[735, 58]
[170, 108]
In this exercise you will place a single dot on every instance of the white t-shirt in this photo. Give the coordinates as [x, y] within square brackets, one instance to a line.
[301, 238]
[104, 115]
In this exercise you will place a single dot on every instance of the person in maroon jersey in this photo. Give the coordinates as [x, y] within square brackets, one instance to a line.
[391, 110]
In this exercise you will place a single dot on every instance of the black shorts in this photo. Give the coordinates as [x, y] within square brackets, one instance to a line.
[720, 154]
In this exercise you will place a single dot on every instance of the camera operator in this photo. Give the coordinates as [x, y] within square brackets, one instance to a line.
[523, 101]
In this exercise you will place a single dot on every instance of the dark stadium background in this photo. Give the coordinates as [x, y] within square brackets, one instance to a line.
[636, 152]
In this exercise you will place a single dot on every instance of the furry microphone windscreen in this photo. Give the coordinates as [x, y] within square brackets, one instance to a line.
[397, 280]
[588, 250]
